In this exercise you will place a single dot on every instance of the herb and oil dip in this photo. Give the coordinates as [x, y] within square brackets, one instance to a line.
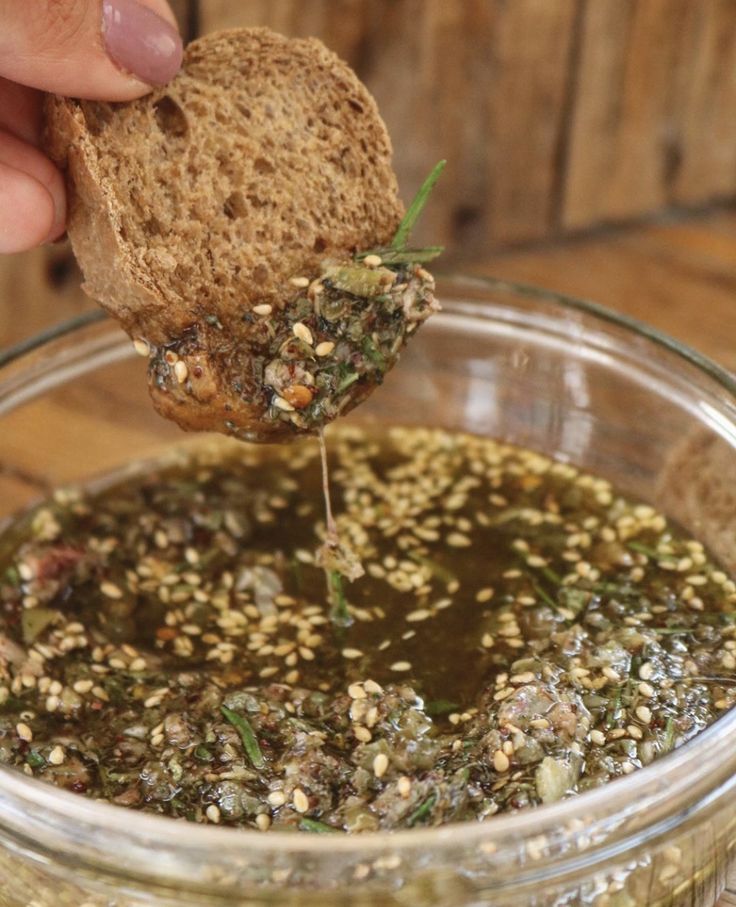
[521, 633]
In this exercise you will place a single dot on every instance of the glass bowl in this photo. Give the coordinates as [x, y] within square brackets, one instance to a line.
[530, 367]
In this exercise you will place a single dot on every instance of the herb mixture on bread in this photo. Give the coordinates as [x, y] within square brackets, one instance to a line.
[221, 219]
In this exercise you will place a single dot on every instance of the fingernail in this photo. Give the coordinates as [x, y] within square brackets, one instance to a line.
[141, 42]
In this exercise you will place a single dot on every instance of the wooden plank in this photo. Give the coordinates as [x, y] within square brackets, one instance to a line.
[704, 164]
[621, 140]
[482, 84]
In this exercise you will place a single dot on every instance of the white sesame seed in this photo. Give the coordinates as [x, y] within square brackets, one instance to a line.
[352, 653]
[141, 347]
[24, 732]
[418, 615]
[356, 691]
[643, 713]
[276, 798]
[598, 737]
[263, 309]
[487, 641]
[324, 348]
[213, 813]
[110, 590]
[362, 733]
[380, 765]
[263, 821]
[484, 595]
[458, 540]
[300, 800]
[181, 371]
[403, 785]
[370, 686]
[501, 761]
[56, 756]
[646, 670]
[83, 686]
[282, 404]
[627, 768]
[646, 690]
[401, 666]
[300, 282]
[303, 333]
[372, 261]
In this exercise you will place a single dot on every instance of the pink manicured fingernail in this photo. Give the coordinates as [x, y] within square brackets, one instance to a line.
[141, 42]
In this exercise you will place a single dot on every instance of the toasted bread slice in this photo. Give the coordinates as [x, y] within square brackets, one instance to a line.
[199, 213]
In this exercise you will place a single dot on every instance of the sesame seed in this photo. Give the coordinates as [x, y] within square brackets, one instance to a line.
[24, 732]
[372, 261]
[418, 615]
[83, 686]
[352, 653]
[598, 737]
[141, 347]
[282, 404]
[501, 761]
[643, 713]
[487, 641]
[380, 765]
[110, 590]
[57, 755]
[302, 332]
[646, 690]
[370, 686]
[356, 691]
[300, 282]
[401, 666]
[362, 733]
[484, 595]
[458, 540]
[181, 371]
[627, 768]
[276, 798]
[646, 670]
[213, 813]
[300, 800]
[263, 308]
[403, 785]
[263, 821]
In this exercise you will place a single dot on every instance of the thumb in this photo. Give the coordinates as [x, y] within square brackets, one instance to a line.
[111, 50]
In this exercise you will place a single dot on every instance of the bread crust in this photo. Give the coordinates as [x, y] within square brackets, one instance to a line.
[205, 199]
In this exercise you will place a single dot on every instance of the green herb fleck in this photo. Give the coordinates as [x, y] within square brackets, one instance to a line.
[242, 726]
[422, 811]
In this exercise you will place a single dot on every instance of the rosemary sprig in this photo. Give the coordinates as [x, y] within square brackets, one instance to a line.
[242, 726]
[401, 237]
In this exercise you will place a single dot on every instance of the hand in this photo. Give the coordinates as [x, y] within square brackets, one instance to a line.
[111, 50]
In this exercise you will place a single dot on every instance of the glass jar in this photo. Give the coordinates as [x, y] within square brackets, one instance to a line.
[526, 366]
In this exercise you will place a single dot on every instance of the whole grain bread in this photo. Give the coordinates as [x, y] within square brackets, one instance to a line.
[192, 206]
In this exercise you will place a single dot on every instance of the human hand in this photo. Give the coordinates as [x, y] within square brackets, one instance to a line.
[111, 50]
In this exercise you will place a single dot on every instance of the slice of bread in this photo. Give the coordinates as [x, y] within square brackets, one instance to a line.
[197, 207]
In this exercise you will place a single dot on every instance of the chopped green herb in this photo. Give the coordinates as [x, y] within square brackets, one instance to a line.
[422, 811]
[242, 726]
